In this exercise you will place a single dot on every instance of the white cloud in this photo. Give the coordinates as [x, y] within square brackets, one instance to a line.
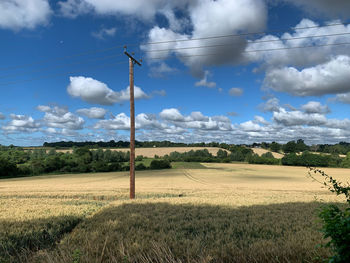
[2, 116]
[236, 92]
[270, 105]
[293, 118]
[204, 81]
[328, 78]
[93, 113]
[122, 122]
[60, 117]
[171, 115]
[74, 8]
[142, 9]
[209, 18]
[344, 98]
[94, 91]
[104, 32]
[315, 107]
[28, 14]
[196, 120]
[300, 57]
[21, 123]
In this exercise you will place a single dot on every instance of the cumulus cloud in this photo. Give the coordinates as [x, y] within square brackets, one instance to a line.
[104, 33]
[300, 57]
[24, 14]
[293, 118]
[209, 18]
[270, 105]
[328, 78]
[145, 10]
[171, 115]
[93, 113]
[74, 8]
[2, 116]
[122, 122]
[235, 92]
[196, 120]
[60, 117]
[315, 107]
[21, 123]
[97, 92]
[344, 98]
[204, 81]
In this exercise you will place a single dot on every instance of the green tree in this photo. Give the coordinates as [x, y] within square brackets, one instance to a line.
[290, 147]
[275, 147]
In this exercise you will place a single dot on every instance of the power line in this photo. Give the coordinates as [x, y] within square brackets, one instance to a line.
[163, 42]
[237, 35]
[258, 50]
[59, 74]
[181, 56]
[255, 42]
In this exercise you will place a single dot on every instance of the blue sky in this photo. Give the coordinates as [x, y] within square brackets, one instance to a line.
[63, 74]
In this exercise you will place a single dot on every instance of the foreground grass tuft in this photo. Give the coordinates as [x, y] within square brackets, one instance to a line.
[162, 232]
[19, 239]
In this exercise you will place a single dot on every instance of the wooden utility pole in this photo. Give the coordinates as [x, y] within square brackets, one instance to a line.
[132, 61]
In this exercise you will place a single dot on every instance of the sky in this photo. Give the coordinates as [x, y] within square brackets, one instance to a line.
[228, 71]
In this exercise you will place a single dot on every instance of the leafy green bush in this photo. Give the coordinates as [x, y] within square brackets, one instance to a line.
[336, 221]
[140, 166]
[160, 164]
[7, 168]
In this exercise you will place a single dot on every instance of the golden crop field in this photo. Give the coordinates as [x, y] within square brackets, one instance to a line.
[261, 151]
[192, 213]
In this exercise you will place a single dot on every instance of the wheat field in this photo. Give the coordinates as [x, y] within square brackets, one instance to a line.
[208, 213]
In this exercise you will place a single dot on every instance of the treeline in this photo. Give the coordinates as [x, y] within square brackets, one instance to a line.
[17, 162]
[126, 144]
[300, 146]
[289, 147]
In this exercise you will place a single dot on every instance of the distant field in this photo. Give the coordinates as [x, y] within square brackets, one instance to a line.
[196, 212]
[150, 152]
[261, 151]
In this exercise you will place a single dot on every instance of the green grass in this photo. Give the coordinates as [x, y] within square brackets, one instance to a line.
[187, 165]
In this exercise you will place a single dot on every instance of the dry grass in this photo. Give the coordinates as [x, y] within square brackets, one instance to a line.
[261, 151]
[233, 212]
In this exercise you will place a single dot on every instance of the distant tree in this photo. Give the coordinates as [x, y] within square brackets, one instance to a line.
[221, 154]
[346, 161]
[7, 168]
[301, 146]
[275, 147]
[290, 147]
[160, 164]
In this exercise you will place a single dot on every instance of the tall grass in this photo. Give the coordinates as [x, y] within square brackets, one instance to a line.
[162, 232]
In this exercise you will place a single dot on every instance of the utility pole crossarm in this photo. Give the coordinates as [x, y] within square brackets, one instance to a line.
[132, 58]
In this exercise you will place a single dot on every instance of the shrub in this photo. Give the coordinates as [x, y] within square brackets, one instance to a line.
[336, 222]
[140, 166]
[160, 164]
[7, 168]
